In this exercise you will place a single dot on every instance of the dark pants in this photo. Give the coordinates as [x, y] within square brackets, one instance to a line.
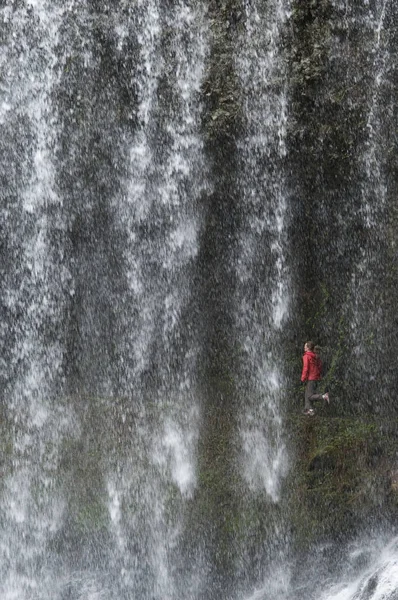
[310, 393]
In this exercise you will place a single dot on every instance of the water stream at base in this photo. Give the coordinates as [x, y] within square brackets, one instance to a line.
[369, 572]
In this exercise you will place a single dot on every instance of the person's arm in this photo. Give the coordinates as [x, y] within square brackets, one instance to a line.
[304, 374]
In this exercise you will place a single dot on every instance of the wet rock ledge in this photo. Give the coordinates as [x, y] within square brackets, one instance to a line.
[344, 477]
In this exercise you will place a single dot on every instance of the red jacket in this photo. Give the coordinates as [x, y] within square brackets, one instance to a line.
[312, 367]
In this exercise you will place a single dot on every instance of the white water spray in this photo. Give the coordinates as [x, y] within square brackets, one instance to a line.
[263, 294]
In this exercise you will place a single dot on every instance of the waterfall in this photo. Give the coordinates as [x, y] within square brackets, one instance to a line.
[370, 277]
[157, 217]
[35, 281]
[262, 254]
[262, 296]
[104, 168]
[189, 190]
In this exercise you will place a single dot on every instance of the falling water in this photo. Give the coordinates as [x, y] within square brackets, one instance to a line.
[35, 279]
[157, 216]
[262, 298]
[100, 234]
[262, 309]
[111, 312]
[370, 278]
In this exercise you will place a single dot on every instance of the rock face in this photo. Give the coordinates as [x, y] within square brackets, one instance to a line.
[339, 173]
[341, 185]
[344, 188]
[344, 477]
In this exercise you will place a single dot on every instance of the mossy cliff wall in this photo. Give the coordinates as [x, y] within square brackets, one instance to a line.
[342, 259]
[215, 506]
[344, 478]
[341, 176]
[342, 142]
[340, 172]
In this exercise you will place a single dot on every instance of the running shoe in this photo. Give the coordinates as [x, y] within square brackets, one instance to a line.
[309, 411]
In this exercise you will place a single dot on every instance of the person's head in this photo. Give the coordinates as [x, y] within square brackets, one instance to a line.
[309, 346]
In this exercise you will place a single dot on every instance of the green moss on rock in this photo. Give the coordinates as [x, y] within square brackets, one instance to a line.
[342, 477]
[221, 87]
